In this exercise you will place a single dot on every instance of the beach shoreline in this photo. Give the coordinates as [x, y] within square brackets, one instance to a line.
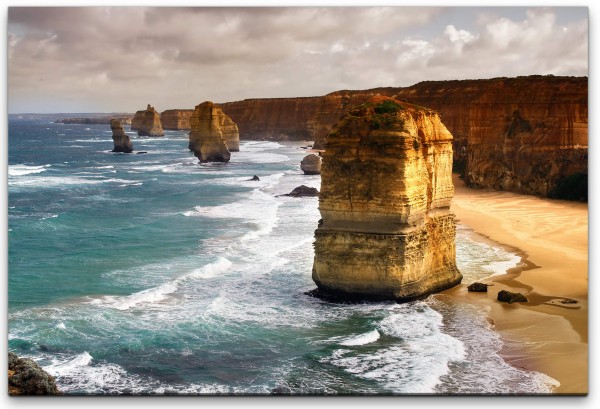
[546, 334]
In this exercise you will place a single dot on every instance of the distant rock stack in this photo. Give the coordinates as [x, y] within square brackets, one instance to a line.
[120, 138]
[206, 138]
[230, 132]
[386, 230]
[311, 164]
[150, 124]
[136, 121]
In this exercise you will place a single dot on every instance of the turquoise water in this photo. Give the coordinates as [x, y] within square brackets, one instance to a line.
[152, 274]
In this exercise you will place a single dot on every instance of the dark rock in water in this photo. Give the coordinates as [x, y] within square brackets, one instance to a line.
[311, 164]
[139, 153]
[121, 140]
[281, 390]
[25, 377]
[509, 297]
[478, 288]
[253, 178]
[303, 191]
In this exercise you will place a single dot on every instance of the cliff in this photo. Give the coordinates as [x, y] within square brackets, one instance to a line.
[206, 137]
[150, 124]
[121, 140]
[386, 187]
[524, 134]
[176, 119]
[273, 118]
[101, 120]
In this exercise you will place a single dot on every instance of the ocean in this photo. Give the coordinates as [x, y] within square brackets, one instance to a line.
[153, 274]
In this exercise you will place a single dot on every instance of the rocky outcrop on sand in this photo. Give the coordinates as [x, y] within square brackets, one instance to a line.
[478, 288]
[176, 119]
[206, 137]
[121, 140]
[386, 230]
[150, 124]
[311, 164]
[303, 191]
[510, 297]
[25, 377]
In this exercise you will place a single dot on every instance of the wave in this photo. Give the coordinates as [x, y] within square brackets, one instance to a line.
[58, 181]
[418, 359]
[362, 339]
[162, 292]
[22, 170]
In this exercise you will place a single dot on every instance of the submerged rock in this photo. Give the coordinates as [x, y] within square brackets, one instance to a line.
[478, 288]
[254, 178]
[387, 230]
[206, 138]
[150, 123]
[311, 164]
[510, 297]
[120, 138]
[303, 191]
[25, 377]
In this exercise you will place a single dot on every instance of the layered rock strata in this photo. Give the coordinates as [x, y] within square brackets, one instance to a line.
[121, 140]
[176, 119]
[136, 121]
[206, 137]
[150, 123]
[230, 132]
[311, 164]
[386, 230]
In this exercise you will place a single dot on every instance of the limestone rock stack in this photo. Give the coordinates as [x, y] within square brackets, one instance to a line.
[386, 230]
[311, 164]
[120, 138]
[136, 121]
[207, 140]
[150, 123]
[230, 132]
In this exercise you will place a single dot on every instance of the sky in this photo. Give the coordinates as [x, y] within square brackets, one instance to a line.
[118, 59]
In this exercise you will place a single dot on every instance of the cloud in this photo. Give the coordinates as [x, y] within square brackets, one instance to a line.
[120, 58]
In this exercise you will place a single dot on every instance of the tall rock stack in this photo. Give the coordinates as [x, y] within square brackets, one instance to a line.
[206, 137]
[120, 138]
[386, 230]
[150, 124]
[136, 121]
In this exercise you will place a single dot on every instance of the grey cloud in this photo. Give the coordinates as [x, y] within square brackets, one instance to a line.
[120, 58]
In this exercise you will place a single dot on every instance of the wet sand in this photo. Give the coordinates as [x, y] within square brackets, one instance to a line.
[549, 333]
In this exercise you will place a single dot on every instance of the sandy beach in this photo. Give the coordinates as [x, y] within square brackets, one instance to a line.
[549, 333]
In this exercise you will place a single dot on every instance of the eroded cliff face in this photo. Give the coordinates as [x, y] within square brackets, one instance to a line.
[150, 123]
[206, 137]
[176, 119]
[121, 140]
[273, 118]
[386, 230]
[524, 134]
[478, 113]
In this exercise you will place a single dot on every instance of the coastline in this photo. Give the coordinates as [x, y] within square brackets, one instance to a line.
[551, 236]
